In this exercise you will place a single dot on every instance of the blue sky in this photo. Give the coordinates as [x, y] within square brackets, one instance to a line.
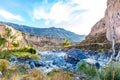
[75, 15]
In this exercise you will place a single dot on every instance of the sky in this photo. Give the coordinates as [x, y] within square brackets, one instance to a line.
[77, 16]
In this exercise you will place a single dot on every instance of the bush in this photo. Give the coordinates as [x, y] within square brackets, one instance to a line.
[32, 50]
[26, 55]
[89, 70]
[111, 72]
[3, 65]
[5, 55]
[15, 44]
[29, 49]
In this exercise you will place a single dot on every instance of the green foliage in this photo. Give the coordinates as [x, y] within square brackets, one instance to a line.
[66, 43]
[26, 55]
[18, 53]
[29, 49]
[3, 64]
[15, 44]
[8, 35]
[2, 41]
[89, 70]
[111, 72]
[5, 54]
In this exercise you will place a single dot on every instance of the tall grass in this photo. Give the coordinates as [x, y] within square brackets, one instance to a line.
[110, 72]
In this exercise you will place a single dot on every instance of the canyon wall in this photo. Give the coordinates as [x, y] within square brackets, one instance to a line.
[42, 42]
[109, 25]
[112, 19]
[39, 42]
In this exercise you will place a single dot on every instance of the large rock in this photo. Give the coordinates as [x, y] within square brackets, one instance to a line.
[74, 55]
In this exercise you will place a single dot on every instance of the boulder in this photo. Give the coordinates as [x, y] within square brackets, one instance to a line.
[74, 55]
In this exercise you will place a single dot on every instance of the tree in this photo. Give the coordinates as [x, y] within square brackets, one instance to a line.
[66, 43]
[9, 37]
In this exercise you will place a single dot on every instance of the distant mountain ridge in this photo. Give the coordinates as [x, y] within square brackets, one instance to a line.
[48, 32]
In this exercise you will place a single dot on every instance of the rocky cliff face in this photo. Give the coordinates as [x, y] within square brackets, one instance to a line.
[102, 32]
[42, 42]
[110, 24]
[112, 19]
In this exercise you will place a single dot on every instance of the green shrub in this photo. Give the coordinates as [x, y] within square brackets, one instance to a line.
[111, 72]
[15, 44]
[3, 65]
[5, 54]
[18, 53]
[66, 43]
[32, 50]
[89, 70]
[29, 49]
[26, 55]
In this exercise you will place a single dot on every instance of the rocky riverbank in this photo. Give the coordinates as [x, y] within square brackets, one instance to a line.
[51, 60]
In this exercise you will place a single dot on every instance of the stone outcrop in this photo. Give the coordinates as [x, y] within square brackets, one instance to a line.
[99, 27]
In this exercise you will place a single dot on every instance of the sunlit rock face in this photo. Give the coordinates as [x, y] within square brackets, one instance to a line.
[112, 19]
[40, 42]
[99, 27]
[17, 34]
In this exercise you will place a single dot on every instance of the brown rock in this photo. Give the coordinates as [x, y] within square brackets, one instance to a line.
[110, 20]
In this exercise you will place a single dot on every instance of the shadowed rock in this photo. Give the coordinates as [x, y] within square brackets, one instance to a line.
[74, 55]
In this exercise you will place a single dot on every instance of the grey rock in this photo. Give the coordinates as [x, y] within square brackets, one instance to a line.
[74, 55]
[32, 65]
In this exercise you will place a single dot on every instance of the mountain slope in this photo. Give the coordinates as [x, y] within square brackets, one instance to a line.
[49, 32]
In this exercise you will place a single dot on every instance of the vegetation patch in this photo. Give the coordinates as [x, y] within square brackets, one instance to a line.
[89, 70]
[60, 75]
[3, 65]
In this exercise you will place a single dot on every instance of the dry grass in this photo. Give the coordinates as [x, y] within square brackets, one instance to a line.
[3, 64]
[60, 75]
[34, 75]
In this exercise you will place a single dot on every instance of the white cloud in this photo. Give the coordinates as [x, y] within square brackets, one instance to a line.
[9, 16]
[71, 17]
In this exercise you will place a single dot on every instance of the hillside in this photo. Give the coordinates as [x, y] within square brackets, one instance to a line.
[48, 32]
